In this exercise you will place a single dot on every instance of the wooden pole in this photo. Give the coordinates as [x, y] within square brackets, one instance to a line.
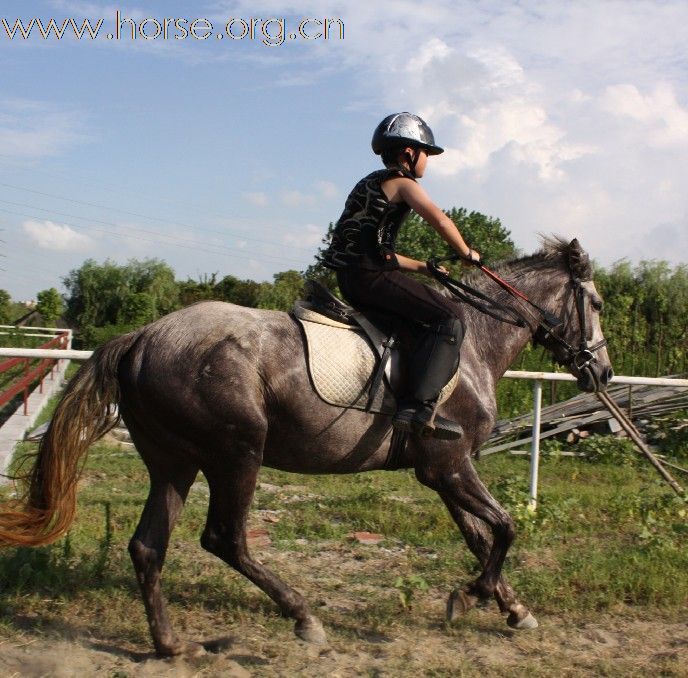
[634, 434]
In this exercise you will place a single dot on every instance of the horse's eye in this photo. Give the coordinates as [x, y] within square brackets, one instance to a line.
[597, 304]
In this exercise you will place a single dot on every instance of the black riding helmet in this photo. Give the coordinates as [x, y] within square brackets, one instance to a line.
[399, 130]
[404, 129]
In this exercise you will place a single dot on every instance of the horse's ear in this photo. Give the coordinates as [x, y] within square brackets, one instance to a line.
[579, 261]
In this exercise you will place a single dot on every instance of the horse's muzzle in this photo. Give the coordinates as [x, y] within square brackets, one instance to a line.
[593, 377]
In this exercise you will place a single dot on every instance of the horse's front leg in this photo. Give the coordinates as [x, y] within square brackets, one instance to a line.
[479, 540]
[453, 477]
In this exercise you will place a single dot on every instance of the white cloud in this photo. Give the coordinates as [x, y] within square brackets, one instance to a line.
[34, 129]
[327, 189]
[665, 119]
[297, 199]
[60, 237]
[556, 117]
[322, 191]
[308, 236]
[257, 198]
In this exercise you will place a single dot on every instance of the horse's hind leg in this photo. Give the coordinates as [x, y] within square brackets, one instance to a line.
[148, 547]
[479, 540]
[231, 490]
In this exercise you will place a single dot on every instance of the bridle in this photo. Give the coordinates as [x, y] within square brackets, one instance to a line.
[582, 357]
[544, 332]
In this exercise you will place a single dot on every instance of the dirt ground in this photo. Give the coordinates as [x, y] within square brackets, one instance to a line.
[482, 645]
[370, 633]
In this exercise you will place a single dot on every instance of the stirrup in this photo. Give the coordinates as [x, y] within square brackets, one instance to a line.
[419, 420]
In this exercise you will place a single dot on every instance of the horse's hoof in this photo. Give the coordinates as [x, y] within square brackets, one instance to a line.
[182, 648]
[517, 620]
[311, 630]
[459, 603]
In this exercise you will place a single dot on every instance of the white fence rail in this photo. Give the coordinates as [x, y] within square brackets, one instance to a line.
[536, 377]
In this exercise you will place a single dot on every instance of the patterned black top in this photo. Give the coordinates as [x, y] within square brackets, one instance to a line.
[365, 233]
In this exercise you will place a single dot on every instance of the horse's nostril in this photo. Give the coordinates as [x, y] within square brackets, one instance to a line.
[607, 375]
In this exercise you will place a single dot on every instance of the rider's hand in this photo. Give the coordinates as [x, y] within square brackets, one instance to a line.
[473, 257]
[431, 266]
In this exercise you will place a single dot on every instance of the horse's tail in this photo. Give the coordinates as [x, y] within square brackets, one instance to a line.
[84, 414]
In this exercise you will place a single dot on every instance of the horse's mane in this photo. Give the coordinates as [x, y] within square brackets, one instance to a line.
[555, 253]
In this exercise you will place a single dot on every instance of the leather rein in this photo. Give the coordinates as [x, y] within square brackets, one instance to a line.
[580, 358]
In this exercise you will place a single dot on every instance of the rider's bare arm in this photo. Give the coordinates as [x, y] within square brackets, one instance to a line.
[408, 264]
[415, 196]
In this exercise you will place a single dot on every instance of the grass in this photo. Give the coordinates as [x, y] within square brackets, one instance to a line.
[605, 538]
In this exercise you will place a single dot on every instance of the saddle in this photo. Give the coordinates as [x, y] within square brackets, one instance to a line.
[354, 358]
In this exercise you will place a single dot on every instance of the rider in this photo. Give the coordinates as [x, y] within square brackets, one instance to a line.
[369, 270]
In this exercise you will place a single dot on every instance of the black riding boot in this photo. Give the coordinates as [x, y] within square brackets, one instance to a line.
[432, 366]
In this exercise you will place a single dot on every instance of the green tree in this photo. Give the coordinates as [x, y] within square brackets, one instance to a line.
[49, 305]
[286, 288]
[138, 308]
[226, 288]
[203, 289]
[155, 278]
[5, 307]
[644, 317]
[109, 299]
[235, 291]
[96, 293]
[417, 239]
[316, 271]
[241, 292]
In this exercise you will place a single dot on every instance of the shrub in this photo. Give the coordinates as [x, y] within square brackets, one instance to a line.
[607, 449]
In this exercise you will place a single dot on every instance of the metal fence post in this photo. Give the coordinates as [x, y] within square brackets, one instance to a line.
[26, 388]
[535, 444]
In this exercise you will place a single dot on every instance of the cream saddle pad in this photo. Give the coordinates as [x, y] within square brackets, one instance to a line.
[342, 362]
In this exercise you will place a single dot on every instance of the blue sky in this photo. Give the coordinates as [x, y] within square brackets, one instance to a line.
[230, 156]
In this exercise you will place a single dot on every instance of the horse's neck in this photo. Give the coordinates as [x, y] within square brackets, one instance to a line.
[499, 343]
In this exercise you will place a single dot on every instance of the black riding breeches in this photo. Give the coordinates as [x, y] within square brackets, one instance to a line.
[435, 356]
[395, 293]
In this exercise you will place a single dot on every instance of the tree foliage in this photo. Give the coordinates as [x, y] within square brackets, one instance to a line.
[230, 289]
[284, 291]
[108, 299]
[644, 318]
[418, 240]
[5, 307]
[646, 305]
[49, 305]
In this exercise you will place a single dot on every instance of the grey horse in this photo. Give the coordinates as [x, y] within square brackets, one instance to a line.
[224, 389]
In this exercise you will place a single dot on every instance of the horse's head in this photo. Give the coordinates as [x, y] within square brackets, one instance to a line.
[579, 343]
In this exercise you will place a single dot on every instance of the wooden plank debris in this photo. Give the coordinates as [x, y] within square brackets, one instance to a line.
[585, 411]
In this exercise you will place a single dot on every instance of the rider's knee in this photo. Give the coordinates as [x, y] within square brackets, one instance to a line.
[457, 330]
[452, 329]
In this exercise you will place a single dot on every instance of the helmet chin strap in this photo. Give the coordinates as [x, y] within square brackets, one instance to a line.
[412, 161]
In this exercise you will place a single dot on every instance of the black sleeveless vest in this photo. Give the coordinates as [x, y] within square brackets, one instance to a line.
[365, 234]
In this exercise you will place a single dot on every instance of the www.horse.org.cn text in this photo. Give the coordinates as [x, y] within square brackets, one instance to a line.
[271, 32]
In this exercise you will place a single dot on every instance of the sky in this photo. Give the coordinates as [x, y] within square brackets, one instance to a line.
[231, 156]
